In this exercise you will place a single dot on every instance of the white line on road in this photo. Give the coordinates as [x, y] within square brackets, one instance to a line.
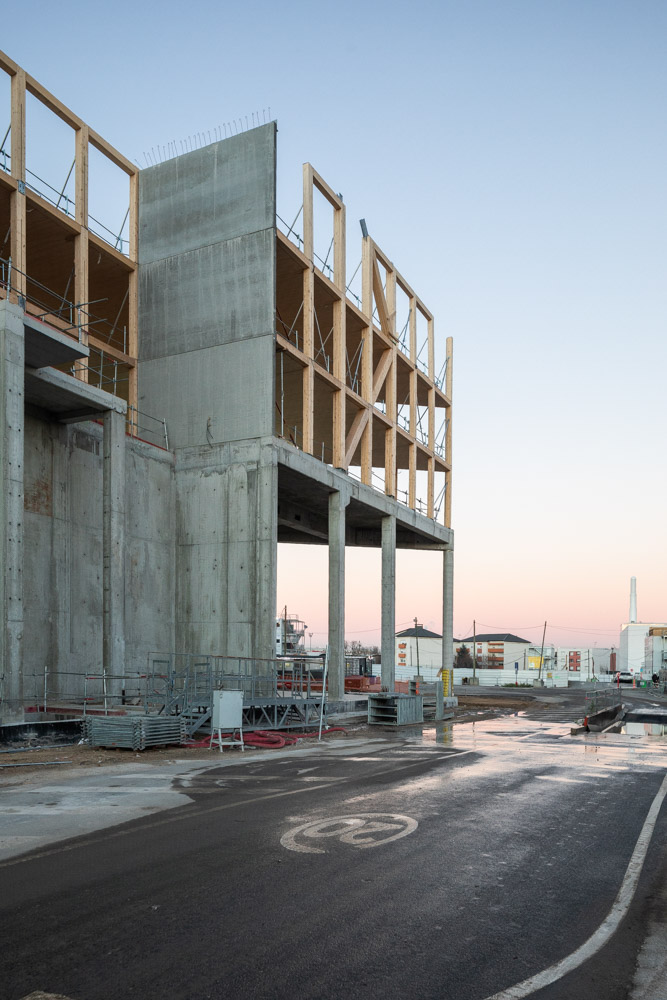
[565, 781]
[609, 925]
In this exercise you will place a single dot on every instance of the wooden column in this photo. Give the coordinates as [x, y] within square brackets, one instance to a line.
[367, 359]
[18, 216]
[308, 312]
[390, 472]
[339, 339]
[81, 243]
[448, 433]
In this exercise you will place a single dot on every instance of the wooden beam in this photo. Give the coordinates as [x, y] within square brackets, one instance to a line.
[81, 247]
[18, 215]
[134, 217]
[380, 374]
[308, 211]
[448, 434]
[390, 461]
[381, 303]
[339, 248]
[430, 494]
[113, 352]
[431, 352]
[431, 419]
[339, 429]
[355, 434]
[309, 312]
[81, 176]
[308, 418]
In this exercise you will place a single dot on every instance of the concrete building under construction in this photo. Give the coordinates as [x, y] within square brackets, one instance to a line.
[178, 400]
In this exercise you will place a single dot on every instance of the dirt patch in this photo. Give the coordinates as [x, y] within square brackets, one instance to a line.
[15, 764]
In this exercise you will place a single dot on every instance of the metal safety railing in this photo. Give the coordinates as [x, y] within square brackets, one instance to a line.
[602, 697]
[82, 692]
[71, 317]
[147, 428]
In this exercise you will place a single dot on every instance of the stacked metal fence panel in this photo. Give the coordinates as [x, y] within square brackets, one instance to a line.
[134, 732]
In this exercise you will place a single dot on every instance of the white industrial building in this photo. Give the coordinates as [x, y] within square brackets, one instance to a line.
[632, 647]
[655, 650]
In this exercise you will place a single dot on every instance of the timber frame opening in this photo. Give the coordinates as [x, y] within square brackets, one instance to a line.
[351, 388]
[56, 261]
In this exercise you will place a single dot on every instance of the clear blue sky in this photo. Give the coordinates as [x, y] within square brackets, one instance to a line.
[510, 158]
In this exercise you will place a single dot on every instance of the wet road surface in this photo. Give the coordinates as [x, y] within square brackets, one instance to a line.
[449, 863]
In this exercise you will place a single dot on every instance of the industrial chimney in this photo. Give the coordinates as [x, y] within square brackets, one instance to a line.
[633, 599]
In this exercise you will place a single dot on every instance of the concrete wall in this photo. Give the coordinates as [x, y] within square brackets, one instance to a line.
[226, 549]
[207, 291]
[63, 552]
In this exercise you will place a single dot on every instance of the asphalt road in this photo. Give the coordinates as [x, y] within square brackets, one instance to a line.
[452, 864]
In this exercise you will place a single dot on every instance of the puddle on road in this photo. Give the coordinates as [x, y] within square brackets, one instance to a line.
[548, 743]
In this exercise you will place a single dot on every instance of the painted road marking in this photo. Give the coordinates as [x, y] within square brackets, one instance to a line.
[565, 781]
[609, 925]
[362, 830]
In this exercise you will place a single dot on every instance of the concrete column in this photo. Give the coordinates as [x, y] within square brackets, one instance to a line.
[448, 609]
[113, 530]
[388, 642]
[337, 504]
[12, 352]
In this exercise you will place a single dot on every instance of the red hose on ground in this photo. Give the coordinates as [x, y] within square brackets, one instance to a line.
[268, 739]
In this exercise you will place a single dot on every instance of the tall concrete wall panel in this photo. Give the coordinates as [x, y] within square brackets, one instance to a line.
[212, 295]
[214, 395]
[212, 194]
[207, 291]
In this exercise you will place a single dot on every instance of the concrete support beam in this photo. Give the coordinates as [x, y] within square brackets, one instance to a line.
[448, 609]
[12, 347]
[113, 548]
[337, 504]
[388, 642]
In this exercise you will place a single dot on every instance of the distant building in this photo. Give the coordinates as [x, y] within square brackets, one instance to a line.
[497, 650]
[588, 661]
[418, 647]
[631, 650]
[290, 635]
[632, 647]
[655, 649]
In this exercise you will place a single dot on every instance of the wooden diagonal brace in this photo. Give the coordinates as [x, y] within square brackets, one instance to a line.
[354, 435]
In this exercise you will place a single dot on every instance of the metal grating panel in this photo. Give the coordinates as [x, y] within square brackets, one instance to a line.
[135, 732]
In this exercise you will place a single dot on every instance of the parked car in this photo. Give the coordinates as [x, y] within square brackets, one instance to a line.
[625, 677]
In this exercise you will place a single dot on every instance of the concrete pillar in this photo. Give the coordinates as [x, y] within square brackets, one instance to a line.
[113, 530]
[12, 352]
[337, 504]
[448, 609]
[388, 641]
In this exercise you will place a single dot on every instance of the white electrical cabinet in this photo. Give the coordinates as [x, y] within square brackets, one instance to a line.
[227, 716]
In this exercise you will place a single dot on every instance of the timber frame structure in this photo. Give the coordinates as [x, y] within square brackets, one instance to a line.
[57, 262]
[342, 404]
